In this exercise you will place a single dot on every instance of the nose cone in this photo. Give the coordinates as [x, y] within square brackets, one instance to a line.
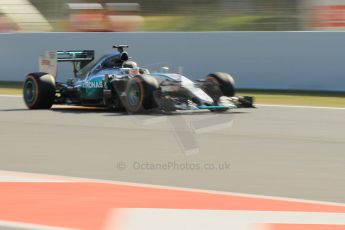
[203, 97]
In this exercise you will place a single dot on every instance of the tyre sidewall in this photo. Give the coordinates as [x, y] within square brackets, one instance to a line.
[225, 82]
[139, 106]
[147, 84]
[44, 90]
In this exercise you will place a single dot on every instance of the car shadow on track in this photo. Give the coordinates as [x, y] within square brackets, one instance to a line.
[109, 112]
[63, 110]
[81, 110]
[177, 113]
[13, 110]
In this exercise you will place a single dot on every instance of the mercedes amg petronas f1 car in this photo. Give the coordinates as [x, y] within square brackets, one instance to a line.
[115, 81]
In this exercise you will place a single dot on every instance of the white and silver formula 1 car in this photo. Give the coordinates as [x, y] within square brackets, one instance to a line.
[115, 81]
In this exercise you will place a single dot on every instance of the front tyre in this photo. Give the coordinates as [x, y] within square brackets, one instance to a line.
[139, 93]
[39, 91]
[222, 85]
[224, 81]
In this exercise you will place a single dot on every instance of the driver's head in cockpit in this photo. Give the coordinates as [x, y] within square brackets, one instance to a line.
[129, 64]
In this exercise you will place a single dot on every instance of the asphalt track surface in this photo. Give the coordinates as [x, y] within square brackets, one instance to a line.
[294, 152]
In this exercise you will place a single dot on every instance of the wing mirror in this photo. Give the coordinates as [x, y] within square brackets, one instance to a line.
[165, 69]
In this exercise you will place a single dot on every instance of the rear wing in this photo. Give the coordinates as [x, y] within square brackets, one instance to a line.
[79, 59]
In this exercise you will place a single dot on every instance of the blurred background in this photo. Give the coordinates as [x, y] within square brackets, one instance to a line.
[171, 15]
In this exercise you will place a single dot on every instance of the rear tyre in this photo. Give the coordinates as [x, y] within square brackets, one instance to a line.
[139, 93]
[225, 82]
[39, 91]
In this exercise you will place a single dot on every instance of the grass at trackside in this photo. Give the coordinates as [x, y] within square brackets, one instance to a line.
[10, 91]
[220, 23]
[10, 88]
[287, 97]
[11, 84]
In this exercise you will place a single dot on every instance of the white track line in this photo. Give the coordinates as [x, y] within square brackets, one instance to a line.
[15, 96]
[301, 106]
[172, 219]
[20, 225]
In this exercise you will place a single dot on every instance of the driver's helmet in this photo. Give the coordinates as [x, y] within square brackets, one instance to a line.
[130, 64]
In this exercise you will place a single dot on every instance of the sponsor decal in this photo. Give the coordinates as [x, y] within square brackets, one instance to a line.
[92, 85]
[48, 63]
[45, 62]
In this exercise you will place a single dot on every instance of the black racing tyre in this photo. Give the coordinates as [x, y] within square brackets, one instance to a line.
[225, 82]
[39, 91]
[139, 93]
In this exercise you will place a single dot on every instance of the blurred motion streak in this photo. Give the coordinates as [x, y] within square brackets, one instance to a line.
[324, 15]
[21, 15]
[174, 15]
[94, 17]
[301, 227]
